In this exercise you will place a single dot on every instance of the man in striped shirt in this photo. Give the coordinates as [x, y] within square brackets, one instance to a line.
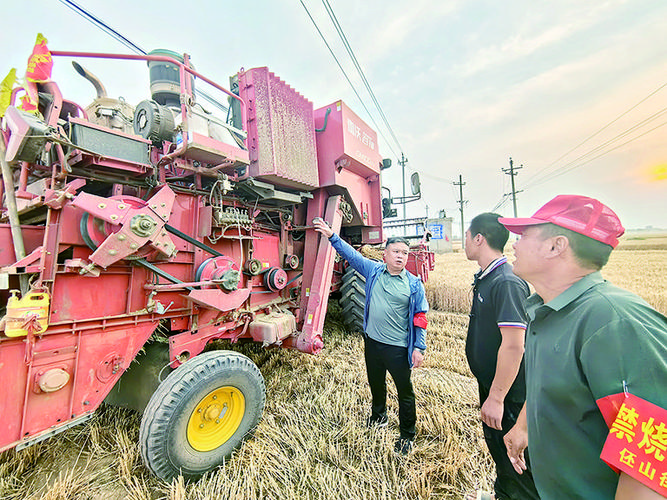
[494, 348]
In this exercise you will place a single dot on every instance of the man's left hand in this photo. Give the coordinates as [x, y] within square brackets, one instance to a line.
[417, 358]
[516, 441]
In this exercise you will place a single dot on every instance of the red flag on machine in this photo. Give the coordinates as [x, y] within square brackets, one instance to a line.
[40, 62]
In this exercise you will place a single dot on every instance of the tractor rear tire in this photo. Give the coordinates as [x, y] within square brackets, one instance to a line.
[200, 414]
[353, 300]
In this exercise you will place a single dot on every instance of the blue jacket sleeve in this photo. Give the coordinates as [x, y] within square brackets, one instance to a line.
[421, 305]
[420, 338]
[356, 260]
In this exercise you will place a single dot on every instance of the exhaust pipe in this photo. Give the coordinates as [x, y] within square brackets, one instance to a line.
[101, 91]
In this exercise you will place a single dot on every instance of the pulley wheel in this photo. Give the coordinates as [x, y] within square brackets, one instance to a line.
[275, 279]
[216, 268]
[94, 231]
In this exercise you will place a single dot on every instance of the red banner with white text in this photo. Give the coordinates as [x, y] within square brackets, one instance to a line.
[637, 441]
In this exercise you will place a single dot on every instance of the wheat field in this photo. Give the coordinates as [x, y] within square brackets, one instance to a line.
[638, 265]
[312, 442]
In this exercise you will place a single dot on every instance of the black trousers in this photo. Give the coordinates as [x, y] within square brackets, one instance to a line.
[509, 484]
[380, 359]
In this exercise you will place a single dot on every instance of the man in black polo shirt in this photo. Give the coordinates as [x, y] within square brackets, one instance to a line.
[494, 348]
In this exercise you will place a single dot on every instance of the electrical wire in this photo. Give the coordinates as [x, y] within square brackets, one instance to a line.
[585, 158]
[599, 148]
[577, 162]
[501, 202]
[504, 186]
[431, 176]
[562, 172]
[502, 198]
[350, 51]
[347, 46]
[536, 174]
[347, 77]
[97, 22]
[364, 79]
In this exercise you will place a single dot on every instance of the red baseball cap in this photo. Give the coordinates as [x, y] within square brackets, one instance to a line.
[580, 214]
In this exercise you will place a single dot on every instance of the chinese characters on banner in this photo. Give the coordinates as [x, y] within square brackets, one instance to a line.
[40, 62]
[637, 441]
[39, 69]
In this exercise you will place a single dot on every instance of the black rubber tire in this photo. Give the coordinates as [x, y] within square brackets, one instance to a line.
[353, 300]
[163, 433]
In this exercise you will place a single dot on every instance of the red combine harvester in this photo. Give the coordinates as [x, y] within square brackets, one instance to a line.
[132, 236]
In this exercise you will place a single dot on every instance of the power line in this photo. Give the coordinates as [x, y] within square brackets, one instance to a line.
[574, 163]
[577, 163]
[339, 29]
[504, 186]
[347, 77]
[600, 147]
[350, 51]
[501, 202]
[430, 176]
[595, 133]
[562, 172]
[96, 21]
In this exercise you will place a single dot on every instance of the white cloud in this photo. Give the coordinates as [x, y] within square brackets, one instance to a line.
[545, 25]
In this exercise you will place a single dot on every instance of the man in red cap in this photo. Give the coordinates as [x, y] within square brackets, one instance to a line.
[587, 342]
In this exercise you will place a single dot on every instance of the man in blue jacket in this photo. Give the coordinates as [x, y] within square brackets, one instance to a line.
[394, 328]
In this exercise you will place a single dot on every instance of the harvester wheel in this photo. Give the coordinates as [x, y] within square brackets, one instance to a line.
[353, 299]
[200, 414]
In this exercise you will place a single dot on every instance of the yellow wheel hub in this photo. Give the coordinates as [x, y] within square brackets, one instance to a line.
[216, 418]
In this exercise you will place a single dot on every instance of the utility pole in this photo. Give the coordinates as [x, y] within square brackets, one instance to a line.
[402, 162]
[461, 201]
[512, 172]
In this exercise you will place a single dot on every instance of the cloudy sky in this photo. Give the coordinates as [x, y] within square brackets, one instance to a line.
[574, 91]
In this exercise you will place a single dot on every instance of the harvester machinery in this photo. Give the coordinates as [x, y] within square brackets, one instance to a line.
[133, 236]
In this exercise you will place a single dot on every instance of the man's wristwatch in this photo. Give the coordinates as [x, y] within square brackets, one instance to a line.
[422, 351]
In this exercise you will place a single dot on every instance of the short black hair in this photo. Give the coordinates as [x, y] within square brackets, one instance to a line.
[494, 232]
[590, 253]
[397, 239]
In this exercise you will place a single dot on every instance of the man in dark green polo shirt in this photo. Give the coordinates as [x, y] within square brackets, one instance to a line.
[586, 340]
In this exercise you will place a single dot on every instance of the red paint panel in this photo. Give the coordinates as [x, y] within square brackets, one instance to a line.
[104, 355]
[76, 298]
[347, 141]
[94, 359]
[70, 232]
[13, 372]
[32, 238]
[44, 409]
